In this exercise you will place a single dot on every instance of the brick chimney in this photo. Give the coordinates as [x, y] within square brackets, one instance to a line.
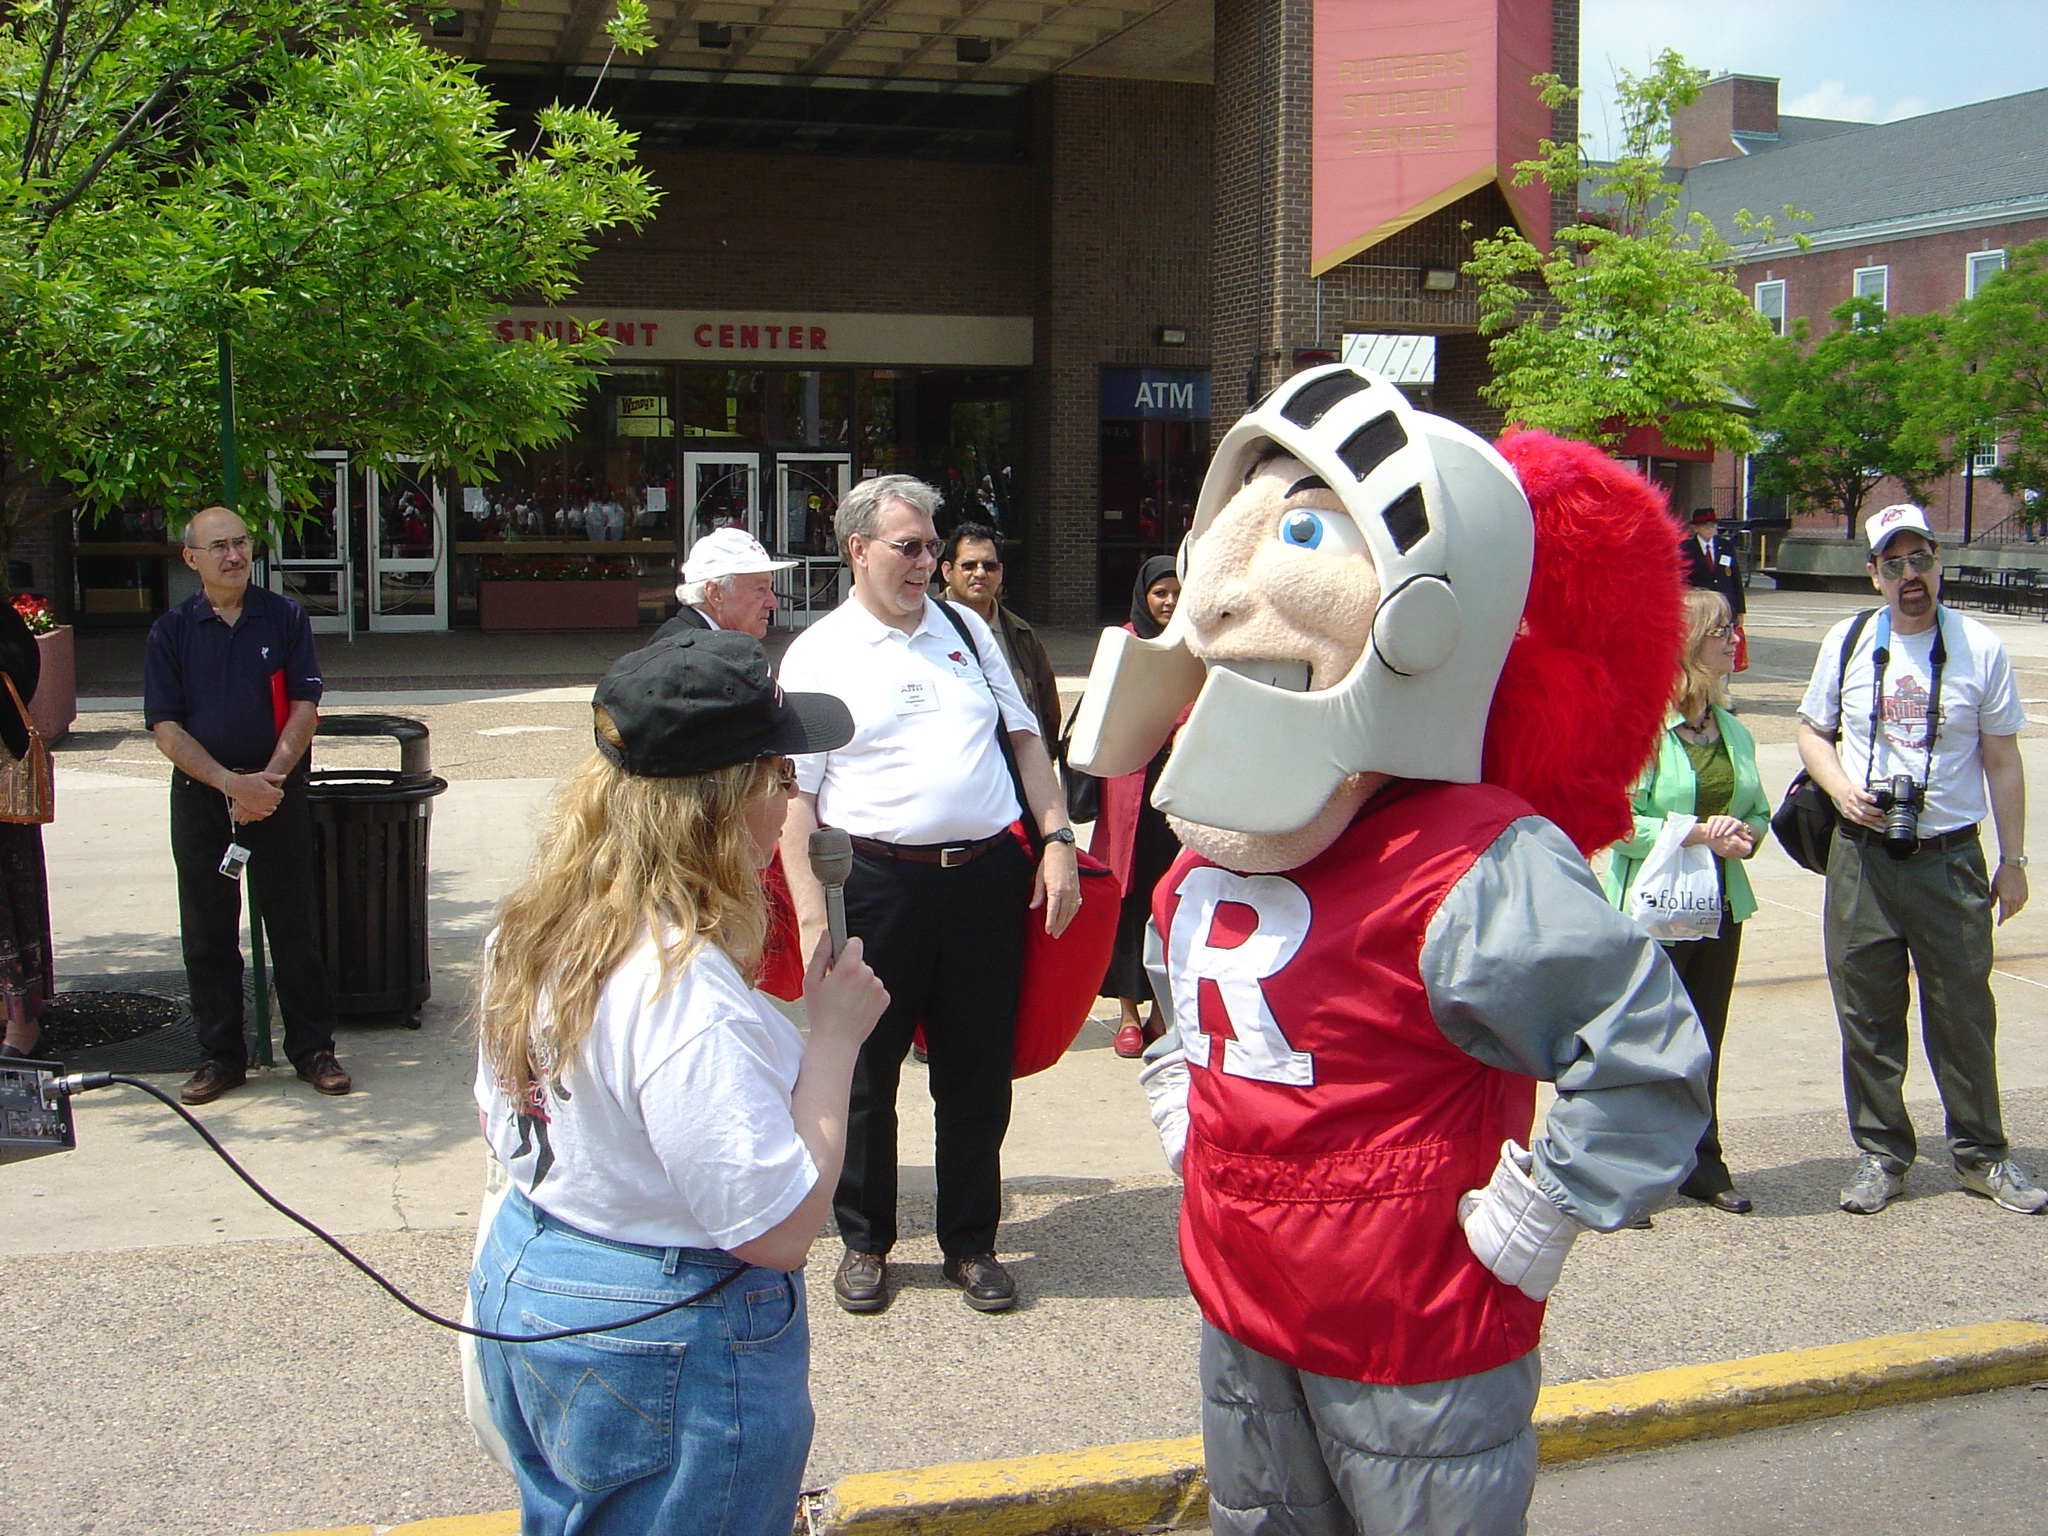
[1733, 115]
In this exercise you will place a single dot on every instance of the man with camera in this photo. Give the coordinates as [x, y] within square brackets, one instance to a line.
[1915, 739]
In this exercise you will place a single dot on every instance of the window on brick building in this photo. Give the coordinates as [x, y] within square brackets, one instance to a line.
[1873, 283]
[1770, 303]
[1979, 267]
[1985, 460]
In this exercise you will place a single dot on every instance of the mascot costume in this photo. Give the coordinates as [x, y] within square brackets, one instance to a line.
[1422, 673]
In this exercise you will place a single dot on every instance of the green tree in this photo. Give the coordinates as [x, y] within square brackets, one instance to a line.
[1836, 417]
[1632, 318]
[1996, 386]
[308, 180]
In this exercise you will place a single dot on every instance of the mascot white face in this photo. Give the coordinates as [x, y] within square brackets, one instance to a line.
[1353, 579]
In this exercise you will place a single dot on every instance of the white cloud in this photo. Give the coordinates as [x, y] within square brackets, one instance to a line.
[1831, 98]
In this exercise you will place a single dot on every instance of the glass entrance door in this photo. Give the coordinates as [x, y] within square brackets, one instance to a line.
[808, 488]
[406, 518]
[311, 562]
[720, 490]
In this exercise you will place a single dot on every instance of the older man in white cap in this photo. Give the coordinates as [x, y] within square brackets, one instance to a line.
[728, 583]
[1911, 725]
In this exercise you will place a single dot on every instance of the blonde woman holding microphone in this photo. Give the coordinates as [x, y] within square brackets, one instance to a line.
[672, 1141]
[1706, 768]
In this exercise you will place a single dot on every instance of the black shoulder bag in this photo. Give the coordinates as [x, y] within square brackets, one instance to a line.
[1805, 822]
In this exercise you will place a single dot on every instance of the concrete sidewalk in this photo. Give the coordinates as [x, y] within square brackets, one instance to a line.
[185, 1363]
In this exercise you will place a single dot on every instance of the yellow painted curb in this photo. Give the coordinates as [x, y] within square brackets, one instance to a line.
[1106, 1488]
[1594, 1418]
[1159, 1483]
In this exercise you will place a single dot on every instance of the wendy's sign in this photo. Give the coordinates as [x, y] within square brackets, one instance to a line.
[1416, 104]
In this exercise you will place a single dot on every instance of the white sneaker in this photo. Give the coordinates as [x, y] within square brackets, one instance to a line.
[2004, 1185]
[1871, 1186]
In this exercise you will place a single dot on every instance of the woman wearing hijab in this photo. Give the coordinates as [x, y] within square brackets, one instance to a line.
[1131, 835]
[27, 978]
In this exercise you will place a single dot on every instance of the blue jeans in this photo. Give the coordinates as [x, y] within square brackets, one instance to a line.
[697, 1423]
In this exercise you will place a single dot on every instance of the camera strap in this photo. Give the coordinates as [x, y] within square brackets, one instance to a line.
[1880, 659]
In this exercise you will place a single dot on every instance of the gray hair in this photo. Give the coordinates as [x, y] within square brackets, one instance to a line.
[691, 593]
[861, 510]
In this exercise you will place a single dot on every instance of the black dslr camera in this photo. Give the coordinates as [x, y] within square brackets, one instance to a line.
[1900, 798]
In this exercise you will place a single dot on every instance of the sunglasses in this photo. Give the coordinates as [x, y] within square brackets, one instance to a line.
[910, 549]
[971, 566]
[1720, 631]
[785, 774]
[1921, 560]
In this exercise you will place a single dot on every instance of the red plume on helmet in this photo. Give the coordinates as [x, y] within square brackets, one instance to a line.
[1591, 671]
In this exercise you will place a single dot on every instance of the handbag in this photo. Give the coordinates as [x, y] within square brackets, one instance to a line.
[1062, 976]
[28, 790]
[1676, 893]
[1804, 823]
[1083, 790]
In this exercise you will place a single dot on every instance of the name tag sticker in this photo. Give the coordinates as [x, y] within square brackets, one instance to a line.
[916, 697]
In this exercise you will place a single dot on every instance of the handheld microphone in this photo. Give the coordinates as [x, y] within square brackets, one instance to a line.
[831, 854]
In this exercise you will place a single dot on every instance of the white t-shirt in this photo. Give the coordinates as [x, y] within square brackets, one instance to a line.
[673, 1126]
[923, 765]
[1977, 696]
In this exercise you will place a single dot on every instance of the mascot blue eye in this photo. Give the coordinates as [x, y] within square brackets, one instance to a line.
[1301, 529]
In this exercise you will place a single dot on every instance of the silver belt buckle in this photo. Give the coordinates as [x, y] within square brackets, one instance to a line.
[952, 858]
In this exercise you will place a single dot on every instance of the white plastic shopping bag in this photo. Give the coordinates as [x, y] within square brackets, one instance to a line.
[1676, 893]
[476, 1402]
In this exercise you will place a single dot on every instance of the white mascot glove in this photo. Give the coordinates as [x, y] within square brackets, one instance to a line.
[1514, 1229]
[1165, 1081]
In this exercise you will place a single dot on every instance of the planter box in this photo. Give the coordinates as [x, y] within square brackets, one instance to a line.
[55, 705]
[504, 606]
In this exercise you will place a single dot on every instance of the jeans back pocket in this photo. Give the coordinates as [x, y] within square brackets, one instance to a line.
[601, 1407]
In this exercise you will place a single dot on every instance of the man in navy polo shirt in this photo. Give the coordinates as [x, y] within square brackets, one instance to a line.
[231, 689]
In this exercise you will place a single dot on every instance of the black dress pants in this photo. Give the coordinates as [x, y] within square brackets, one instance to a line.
[1707, 968]
[949, 946]
[280, 871]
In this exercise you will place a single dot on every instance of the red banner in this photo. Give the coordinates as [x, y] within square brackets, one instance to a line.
[1418, 103]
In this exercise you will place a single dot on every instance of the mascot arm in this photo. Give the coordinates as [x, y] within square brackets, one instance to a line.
[1164, 1077]
[1581, 999]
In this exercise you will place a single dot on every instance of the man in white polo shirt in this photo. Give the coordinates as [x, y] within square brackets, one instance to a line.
[728, 583]
[939, 888]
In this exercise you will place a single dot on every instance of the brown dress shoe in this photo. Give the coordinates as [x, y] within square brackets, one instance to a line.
[859, 1285]
[985, 1285]
[213, 1079]
[325, 1073]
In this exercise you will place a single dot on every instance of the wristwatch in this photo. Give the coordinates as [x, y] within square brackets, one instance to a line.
[1066, 835]
[2018, 863]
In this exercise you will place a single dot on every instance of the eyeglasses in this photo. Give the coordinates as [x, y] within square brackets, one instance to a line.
[910, 549]
[785, 774]
[220, 547]
[1720, 631]
[971, 566]
[1922, 560]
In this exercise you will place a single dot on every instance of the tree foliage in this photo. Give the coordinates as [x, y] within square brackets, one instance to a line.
[308, 179]
[1996, 386]
[1836, 417]
[1631, 319]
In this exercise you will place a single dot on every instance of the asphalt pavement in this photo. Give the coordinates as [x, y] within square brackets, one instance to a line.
[179, 1361]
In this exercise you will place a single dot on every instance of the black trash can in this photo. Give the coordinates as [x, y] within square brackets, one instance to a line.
[370, 887]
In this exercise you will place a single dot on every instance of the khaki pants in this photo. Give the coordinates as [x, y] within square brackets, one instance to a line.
[1931, 912]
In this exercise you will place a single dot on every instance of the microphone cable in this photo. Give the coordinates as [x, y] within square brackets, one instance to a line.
[85, 1082]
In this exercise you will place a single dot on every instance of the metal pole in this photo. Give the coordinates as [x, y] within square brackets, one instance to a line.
[230, 497]
[1969, 484]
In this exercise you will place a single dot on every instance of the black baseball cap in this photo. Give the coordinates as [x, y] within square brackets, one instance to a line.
[704, 699]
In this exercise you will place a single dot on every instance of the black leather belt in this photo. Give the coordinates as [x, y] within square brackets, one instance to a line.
[945, 855]
[1862, 834]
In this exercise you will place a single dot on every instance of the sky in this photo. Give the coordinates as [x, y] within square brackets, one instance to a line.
[1872, 61]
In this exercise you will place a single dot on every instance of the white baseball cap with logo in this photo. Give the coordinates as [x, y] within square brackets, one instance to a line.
[1903, 518]
[729, 552]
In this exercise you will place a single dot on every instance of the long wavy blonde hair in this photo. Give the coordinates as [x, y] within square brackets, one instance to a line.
[620, 856]
[1697, 687]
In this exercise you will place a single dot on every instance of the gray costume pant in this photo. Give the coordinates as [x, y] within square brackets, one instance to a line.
[1290, 1453]
[1934, 910]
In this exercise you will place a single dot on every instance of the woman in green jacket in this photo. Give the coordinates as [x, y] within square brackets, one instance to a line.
[1705, 767]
